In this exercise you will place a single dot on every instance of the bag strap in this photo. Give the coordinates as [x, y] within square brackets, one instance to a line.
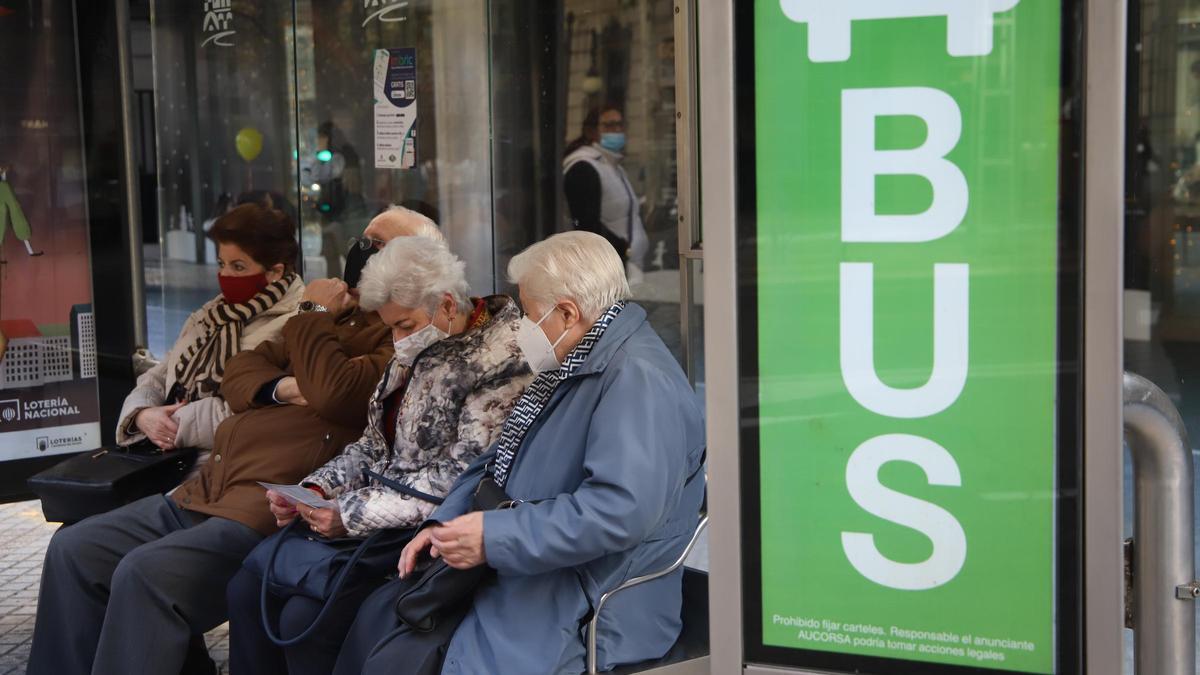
[400, 487]
[339, 582]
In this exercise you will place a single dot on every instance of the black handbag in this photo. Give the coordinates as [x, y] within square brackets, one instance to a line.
[411, 634]
[437, 590]
[100, 481]
[319, 568]
[379, 643]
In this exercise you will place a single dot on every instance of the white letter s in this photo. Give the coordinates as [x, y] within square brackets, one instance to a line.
[949, 540]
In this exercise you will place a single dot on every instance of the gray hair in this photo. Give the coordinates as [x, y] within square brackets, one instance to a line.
[418, 224]
[413, 272]
[578, 266]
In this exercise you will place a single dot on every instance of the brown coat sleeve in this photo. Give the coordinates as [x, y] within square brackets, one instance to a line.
[248, 371]
[336, 381]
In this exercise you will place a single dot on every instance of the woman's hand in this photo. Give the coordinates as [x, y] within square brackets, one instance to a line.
[325, 522]
[460, 541]
[288, 391]
[283, 510]
[159, 425]
[412, 552]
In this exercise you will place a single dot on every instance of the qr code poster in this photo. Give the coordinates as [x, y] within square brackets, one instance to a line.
[395, 95]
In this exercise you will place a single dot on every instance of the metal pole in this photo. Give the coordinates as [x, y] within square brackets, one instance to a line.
[687, 174]
[1163, 588]
[133, 204]
[718, 131]
[1104, 228]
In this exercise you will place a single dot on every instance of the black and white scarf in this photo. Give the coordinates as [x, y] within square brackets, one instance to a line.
[201, 367]
[538, 394]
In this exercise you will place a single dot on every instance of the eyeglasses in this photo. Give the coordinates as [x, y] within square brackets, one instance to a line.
[612, 126]
[364, 243]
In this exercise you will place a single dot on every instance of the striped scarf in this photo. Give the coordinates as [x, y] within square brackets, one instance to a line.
[538, 394]
[201, 367]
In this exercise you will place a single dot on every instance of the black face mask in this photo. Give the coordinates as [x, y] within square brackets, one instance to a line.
[356, 259]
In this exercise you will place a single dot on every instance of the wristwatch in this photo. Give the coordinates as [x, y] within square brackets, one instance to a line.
[310, 306]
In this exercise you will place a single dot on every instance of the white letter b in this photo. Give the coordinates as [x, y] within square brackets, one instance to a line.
[862, 162]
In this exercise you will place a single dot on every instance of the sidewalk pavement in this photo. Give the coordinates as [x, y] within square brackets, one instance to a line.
[25, 535]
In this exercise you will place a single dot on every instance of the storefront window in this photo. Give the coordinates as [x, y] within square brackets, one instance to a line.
[605, 74]
[503, 121]
[1162, 260]
[224, 87]
[393, 110]
[1162, 215]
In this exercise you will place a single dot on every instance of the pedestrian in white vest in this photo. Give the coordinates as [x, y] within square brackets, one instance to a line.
[599, 195]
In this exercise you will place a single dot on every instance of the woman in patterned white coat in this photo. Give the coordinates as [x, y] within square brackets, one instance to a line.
[441, 403]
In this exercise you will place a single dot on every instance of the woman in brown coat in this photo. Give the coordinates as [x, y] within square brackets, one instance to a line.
[322, 373]
[176, 403]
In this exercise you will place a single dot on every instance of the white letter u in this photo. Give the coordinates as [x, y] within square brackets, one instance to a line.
[950, 331]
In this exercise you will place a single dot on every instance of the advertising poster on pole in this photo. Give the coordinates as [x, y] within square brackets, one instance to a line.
[48, 366]
[907, 327]
[395, 82]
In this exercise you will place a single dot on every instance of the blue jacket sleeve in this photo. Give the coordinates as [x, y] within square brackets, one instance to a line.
[458, 501]
[635, 467]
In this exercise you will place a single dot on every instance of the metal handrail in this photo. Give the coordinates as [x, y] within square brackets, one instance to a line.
[594, 624]
[1164, 574]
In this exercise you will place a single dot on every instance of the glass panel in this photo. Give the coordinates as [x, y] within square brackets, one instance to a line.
[1162, 260]
[48, 396]
[357, 154]
[600, 106]
[225, 134]
[1162, 216]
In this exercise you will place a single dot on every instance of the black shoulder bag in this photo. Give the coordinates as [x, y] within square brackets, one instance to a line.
[438, 588]
[102, 480]
[411, 634]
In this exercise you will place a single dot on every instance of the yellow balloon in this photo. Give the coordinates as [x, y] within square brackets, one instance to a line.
[249, 143]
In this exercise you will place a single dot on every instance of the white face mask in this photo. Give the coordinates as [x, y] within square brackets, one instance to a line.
[408, 348]
[535, 346]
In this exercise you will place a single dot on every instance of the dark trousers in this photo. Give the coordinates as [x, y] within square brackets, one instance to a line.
[125, 592]
[251, 652]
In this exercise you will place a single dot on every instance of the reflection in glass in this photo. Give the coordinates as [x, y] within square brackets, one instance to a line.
[589, 141]
[225, 136]
[1162, 214]
[530, 119]
[346, 175]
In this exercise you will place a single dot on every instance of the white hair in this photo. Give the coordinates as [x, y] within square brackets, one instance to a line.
[418, 224]
[578, 266]
[413, 272]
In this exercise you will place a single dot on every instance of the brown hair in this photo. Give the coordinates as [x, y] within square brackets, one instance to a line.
[266, 235]
[591, 126]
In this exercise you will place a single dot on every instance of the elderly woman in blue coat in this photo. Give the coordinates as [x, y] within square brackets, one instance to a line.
[604, 451]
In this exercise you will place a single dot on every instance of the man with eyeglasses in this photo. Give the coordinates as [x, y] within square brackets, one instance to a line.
[598, 192]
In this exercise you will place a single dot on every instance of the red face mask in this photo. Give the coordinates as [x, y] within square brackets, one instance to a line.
[238, 290]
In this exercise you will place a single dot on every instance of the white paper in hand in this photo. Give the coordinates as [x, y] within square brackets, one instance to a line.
[300, 495]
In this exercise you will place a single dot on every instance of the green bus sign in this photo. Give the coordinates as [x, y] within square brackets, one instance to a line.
[906, 334]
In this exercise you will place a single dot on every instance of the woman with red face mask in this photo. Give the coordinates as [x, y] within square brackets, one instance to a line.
[177, 404]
